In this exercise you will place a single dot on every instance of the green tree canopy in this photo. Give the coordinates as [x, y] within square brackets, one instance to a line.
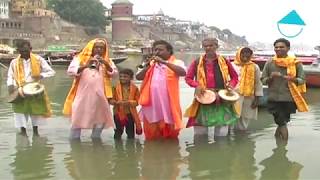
[83, 12]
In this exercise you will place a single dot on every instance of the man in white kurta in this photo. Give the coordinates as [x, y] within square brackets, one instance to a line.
[247, 104]
[46, 71]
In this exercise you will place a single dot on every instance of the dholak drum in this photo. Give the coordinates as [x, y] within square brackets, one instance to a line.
[228, 96]
[207, 97]
[14, 96]
[31, 89]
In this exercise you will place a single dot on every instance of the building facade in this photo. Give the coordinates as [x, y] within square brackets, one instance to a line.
[121, 20]
[29, 8]
[4, 9]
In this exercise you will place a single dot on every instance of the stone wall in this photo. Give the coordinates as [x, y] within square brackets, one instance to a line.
[41, 31]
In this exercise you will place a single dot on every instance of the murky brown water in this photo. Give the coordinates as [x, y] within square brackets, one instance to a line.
[252, 156]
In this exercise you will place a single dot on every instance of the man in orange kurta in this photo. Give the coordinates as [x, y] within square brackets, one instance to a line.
[159, 98]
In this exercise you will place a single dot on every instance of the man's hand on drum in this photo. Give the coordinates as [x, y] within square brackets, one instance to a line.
[37, 78]
[228, 86]
[199, 91]
[20, 91]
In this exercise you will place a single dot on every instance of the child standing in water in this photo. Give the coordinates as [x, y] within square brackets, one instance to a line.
[125, 100]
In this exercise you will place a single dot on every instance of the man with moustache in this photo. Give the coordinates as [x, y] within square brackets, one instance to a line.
[211, 72]
[159, 97]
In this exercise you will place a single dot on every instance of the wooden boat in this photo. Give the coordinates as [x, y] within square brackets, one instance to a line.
[60, 59]
[312, 73]
[125, 50]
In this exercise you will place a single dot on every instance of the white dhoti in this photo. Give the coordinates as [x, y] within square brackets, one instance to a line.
[21, 120]
[218, 130]
[247, 113]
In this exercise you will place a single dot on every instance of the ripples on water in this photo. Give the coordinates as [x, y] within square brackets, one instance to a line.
[255, 155]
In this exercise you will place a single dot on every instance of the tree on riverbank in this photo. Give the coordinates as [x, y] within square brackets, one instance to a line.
[83, 12]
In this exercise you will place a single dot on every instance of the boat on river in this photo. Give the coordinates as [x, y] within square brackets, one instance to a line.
[55, 59]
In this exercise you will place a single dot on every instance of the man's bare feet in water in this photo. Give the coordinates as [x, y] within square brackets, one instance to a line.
[35, 131]
[23, 132]
[282, 133]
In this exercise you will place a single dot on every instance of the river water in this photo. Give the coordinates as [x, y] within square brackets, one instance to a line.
[255, 155]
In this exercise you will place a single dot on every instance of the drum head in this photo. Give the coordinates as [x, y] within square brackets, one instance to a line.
[208, 97]
[228, 95]
[33, 88]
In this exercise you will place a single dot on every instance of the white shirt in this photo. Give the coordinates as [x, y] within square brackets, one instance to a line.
[45, 70]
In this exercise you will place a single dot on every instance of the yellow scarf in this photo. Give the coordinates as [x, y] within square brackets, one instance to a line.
[83, 57]
[247, 76]
[19, 76]
[201, 78]
[290, 64]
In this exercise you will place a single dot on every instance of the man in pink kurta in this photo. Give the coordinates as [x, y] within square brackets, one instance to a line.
[160, 109]
[90, 108]
[159, 98]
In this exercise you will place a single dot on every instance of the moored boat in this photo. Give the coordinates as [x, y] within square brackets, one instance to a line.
[55, 59]
[61, 61]
[312, 75]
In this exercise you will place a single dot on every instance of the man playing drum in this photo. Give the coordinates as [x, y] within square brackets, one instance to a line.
[28, 68]
[211, 71]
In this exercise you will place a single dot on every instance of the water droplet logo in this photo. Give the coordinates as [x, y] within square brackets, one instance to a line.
[291, 25]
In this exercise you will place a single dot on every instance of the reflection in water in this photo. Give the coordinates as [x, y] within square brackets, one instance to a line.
[278, 166]
[32, 161]
[223, 159]
[126, 160]
[243, 162]
[89, 161]
[161, 160]
[207, 161]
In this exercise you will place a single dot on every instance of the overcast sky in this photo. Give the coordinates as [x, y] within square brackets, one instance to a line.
[255, 19]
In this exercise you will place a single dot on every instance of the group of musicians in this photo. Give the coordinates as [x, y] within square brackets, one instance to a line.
[89, 99]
